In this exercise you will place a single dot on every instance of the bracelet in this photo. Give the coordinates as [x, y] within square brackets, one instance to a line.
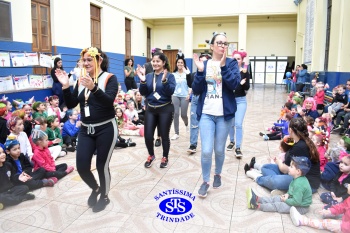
[96, 89]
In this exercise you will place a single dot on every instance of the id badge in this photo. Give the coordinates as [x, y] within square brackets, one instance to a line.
[87, 111]
[156, 95]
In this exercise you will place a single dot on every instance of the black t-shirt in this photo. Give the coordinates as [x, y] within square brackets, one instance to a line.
[301, 149]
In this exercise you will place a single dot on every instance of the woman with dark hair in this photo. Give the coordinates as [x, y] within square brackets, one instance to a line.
[129, 74]
[181, 94]
[95, 92]
[57, 86]
[215, 82]
[139, 105]
[158, 88]
[275, 176]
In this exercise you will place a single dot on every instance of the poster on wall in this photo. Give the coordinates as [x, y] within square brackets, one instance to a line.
[47, 81]
[6, 84]
[270, 66]
[21, 82]
[18, 59]
[45, 60]
[32, 59]
[5, 59]
[36, 81]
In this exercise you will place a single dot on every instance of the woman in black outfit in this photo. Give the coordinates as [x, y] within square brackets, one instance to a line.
[95, 91]
[129, 74]
[57, 86]
[158, 88]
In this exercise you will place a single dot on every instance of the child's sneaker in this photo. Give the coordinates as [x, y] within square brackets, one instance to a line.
[69, 169]
[252, 199]
[28, 196]
[48, 183]
[62, 154]
[54, 179]
[295, 216]
[149, 161]
[265, 137]
[277, 192]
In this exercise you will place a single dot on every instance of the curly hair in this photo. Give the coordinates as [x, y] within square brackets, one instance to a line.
[299, 128]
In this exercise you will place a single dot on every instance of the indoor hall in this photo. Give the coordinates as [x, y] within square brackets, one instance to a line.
[133, 207]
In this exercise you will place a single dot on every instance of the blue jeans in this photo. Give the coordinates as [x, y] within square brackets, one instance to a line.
[292, 86]
[193, 121]
[272, 178]
[214, 131]
[238, 121]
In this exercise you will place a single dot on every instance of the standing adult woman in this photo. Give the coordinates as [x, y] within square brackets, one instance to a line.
[181, 94]
[301, 77]
[275, 176]
[129, 74]
[215, 81]
[241, 101]
[57, 86]
[95, 92]
[158, 88]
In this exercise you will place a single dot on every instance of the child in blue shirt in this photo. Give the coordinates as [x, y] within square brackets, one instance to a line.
[71, 129]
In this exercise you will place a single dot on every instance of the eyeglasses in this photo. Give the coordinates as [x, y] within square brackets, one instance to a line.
[222, 44]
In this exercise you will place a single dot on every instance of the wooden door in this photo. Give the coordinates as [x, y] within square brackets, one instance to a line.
[41, 31]
[171, 55]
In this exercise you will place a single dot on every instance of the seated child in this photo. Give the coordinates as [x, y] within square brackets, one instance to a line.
[9, 109]
[310, 122]
[42, 157]
[308, 109]
[320, 142]
[319, 96]
[338, 193]
[123, 143]
[339, 101]
[71, 129]
[132, 114]
[41, 123]
[21, 164]
[4, 131]
[54, 109]
[39, 110]
[54, 134]
[299, 192]
[330, 224]
[125, 126]
[15, 125]
[9, 194]
[284, 129]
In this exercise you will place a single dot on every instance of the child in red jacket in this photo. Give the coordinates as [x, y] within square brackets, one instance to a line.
[42, 157]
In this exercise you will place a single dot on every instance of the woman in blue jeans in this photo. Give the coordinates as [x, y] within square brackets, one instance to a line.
[241, 101]
[275, 176]
[215, 81]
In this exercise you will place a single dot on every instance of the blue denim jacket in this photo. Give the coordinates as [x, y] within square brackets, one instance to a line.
[230, 79]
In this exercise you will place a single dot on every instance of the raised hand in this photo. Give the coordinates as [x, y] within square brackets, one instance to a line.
[199, 64]
[140, 71]
[223, 59]
[62, 77]
[165, 72]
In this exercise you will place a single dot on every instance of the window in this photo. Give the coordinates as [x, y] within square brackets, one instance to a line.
[5, 19]
[127, 38]
[148, 43]
[95, 26]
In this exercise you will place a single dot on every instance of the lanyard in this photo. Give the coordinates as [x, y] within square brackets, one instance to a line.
[154, 82]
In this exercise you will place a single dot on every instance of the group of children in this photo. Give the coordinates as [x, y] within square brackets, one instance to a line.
[334, 165]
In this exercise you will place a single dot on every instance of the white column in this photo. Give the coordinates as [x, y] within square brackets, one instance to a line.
[242, 32]
[188, 37]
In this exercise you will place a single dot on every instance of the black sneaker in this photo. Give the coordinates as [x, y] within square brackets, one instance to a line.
[252, 199]
[149, 161]
[252, 162]
[93, 197]
[246, 168]
[158, 142]
[164, 162]
[101, 204]
[238, 153]
[261, 134]
[70, 148]
[230, 146]
[28, 196]
[336, 128]
[342, 131]
[192, 149]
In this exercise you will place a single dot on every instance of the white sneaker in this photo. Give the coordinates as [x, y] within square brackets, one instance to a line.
[176, 136]
[277, 192]
[62, 154]
[253, 173]
[295, 216]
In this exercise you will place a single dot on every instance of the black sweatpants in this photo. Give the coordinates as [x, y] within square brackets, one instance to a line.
[68, 140]
[161, 118]
[14, 196]
[103, 141]
[275, 136]
[130, 83]
[59, 173]
[36, 181]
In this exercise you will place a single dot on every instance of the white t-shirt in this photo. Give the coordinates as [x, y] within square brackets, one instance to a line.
[131, 114]
[213, 99]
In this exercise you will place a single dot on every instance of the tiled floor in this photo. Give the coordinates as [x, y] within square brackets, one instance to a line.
[133, 208]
